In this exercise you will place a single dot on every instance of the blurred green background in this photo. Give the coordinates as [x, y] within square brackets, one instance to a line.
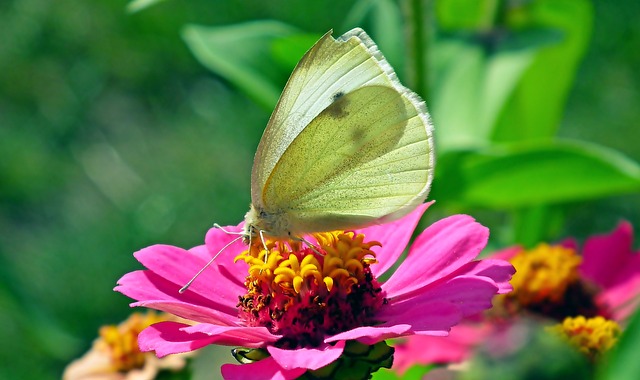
[114, 137]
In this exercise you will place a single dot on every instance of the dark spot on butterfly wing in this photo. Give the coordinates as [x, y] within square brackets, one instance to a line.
[358, 134]
[337, 108]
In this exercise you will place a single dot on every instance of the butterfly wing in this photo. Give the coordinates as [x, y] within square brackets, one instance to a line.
[347, 144]
[330, 68]
[363, 159]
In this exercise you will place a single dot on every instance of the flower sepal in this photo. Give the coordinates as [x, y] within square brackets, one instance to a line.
[249, 355]
[358, 361]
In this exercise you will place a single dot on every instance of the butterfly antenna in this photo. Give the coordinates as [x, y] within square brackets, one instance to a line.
[184, 288]
[216, 225]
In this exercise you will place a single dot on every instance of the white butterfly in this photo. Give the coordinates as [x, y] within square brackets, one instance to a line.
[347, 145]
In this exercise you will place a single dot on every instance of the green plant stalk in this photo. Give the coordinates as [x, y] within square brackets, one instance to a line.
[419, 13]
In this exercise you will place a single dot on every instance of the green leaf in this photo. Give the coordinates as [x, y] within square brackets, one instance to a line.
[622, 362]
[531, 225]
[244, 55]
[522, 175]
[138, 5]
[536, 106]
[470, 89]
[416, 372]
[383, 21]
[465, 14]
[287, 51]
[502, 70]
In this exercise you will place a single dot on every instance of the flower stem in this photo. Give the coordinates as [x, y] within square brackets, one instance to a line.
[419, 14]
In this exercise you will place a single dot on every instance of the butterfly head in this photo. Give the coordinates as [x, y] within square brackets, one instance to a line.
[257, 221]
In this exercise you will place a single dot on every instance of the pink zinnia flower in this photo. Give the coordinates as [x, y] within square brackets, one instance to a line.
[610, 263]
[553, 282]
[301, 309]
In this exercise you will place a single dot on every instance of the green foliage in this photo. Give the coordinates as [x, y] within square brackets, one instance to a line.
[414, 373]
[383, 19]
[249, 55]
[537, 104]
[509, 176]
[512, 62]
[139, 5]
[527, 352]
[470, 88]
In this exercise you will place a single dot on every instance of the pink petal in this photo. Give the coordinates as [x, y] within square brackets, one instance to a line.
[440, 250]
[623, 299]
[156, 292]
[445, 303]
[191, 312]
[470, 294]
[179, 266]
[605, 257]
[569, 243]
[307, 358]
[251, 337]
[432, 318]
[423, 315]
[216, 240]
[168, 338]
[499, 271]
[264, 369]
[425, 349]
[371, 334]
[394, 237]
[507, 253]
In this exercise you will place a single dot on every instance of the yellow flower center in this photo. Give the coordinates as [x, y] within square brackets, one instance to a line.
[121, 342]
[547, 283]
[304, 291]
[544, 273]
[592, 336]
[342, 262]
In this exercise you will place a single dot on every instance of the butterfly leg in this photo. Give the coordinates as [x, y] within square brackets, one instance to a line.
[309, 244]
[264, 244]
